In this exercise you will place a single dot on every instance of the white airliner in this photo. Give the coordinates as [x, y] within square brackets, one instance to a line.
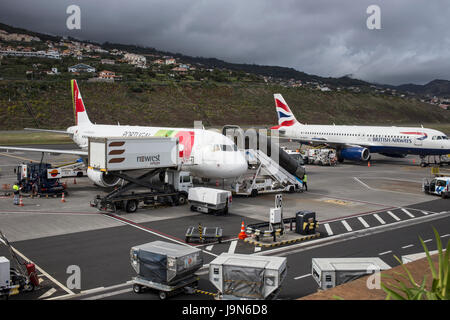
[208, 154]
[358, 142]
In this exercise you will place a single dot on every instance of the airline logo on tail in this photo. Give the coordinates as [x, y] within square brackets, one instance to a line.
[285, 116]
[78, 105]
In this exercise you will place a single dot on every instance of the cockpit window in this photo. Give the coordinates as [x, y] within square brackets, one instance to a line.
[224, 147]
[228, 147]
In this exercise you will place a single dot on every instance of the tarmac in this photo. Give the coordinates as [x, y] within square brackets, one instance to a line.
[350, 200]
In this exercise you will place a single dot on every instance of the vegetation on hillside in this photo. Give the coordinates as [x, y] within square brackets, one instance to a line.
[172, 104]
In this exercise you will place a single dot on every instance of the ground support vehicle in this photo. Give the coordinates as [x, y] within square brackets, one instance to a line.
[165, 267]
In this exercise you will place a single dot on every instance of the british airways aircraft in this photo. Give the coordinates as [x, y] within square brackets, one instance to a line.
[358, 142]
[211, 154]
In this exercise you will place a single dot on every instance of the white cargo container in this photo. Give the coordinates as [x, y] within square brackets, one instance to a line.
[331, 272]
[240, 276]
[4, 273]
[130, 153]
[208, 200]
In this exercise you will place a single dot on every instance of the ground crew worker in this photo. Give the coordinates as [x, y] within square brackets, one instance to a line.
[305, 180]
[16, 189]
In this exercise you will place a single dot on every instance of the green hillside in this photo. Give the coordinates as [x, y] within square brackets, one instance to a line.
[179, 105]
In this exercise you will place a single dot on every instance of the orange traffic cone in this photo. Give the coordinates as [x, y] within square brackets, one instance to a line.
[368, 163]
[62, 198]
[20, 201]
[242, 234]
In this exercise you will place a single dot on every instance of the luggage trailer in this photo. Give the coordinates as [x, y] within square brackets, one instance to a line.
[166, 268]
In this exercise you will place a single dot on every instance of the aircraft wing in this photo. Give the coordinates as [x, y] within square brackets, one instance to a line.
[51, 151]
[47, 130]
[323, 141]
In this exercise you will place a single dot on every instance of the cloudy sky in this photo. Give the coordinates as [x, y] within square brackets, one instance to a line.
[327, 38]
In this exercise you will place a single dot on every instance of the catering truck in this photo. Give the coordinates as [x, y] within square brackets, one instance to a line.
[138, 162]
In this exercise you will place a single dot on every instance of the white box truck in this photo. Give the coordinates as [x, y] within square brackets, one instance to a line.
[209, 200]
[130, 153]
[241, 276]
[331, 272]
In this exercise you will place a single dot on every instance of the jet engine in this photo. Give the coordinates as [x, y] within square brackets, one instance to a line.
[354, 154]
[103, 179]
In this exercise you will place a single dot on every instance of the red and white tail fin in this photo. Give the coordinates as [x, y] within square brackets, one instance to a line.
[285, 116]
[81, 117]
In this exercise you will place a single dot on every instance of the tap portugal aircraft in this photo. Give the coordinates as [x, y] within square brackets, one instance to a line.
[211, 154]
[358, 142]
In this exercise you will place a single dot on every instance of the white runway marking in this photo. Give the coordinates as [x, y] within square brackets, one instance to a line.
[386, 252]
[408, 213]
[209, 248]
[328, 228]
[364, 223]
[346, 225]
[301, 277]
[40, 269]
[393, 216]
[48, 293]
[257, 249]
[428, 240]
[425, 213]
[106, 295]
[232, 246]
[379, 219]
[408, 246]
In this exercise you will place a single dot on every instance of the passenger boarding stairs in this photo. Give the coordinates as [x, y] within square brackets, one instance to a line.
[273, 169]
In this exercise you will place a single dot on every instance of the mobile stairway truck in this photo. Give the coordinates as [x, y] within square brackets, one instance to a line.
[138, 162]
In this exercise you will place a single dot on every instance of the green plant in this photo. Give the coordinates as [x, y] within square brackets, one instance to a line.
[440, 286]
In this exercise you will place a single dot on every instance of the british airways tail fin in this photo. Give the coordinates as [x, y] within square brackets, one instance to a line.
[81, 117]
[285, 116]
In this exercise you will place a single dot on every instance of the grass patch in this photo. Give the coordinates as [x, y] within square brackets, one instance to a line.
[24, 138]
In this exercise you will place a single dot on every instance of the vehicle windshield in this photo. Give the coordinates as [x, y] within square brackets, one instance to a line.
[441, 183]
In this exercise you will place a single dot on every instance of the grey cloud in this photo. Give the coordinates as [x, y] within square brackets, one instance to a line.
[327, 38]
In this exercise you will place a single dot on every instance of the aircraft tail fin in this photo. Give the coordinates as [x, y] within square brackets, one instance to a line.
[81, 117]
[285, 116]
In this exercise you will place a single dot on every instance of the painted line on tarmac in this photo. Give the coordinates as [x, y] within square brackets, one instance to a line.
[359, 214]
[363, 222]
[154, 232]
[301, 277]
[351, 235]
[48, 293]
[232, 247]
[17, 157]
[386, 252]
[381, 190]
[393, 216]
[346, 225]
[379, 218]
[345, 199]
[59, 284]
[328, 229]
[408, 246]
[408, 213]
[110, 294]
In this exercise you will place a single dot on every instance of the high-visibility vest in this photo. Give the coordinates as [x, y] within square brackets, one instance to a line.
[15, 187]
[305, 178]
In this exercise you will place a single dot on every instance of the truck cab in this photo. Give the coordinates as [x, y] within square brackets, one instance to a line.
[439, 186]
